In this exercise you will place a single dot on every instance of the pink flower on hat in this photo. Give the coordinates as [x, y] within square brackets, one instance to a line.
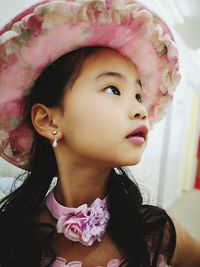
[17, 144]
[33, 23]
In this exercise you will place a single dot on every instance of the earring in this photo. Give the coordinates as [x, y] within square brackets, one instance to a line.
[55, 142]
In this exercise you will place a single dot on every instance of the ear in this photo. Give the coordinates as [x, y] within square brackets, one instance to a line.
[45, 120]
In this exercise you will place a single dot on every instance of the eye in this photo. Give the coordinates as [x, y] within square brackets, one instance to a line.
[112, 90]
[138, 97]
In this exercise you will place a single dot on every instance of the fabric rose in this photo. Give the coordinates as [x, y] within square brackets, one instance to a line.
[85, 224]
[70, 227]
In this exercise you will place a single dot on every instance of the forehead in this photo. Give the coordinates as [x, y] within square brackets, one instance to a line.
[108, 60]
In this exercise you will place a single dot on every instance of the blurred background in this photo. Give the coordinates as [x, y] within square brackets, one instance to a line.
[169, 173]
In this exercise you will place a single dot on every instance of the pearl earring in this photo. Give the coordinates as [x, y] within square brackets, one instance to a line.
[55, 142]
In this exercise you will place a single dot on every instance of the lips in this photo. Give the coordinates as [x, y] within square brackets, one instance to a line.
[141, 131]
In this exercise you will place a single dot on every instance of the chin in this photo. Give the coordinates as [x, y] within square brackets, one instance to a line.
[130, 162]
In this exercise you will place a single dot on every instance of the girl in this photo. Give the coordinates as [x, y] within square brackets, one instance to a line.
[82, 82]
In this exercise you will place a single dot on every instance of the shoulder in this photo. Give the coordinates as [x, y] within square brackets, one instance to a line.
[160, 234]
[187, 251]
[168, 240]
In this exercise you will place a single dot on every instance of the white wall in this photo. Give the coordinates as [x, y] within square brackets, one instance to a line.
[10, 8]
[147, 172]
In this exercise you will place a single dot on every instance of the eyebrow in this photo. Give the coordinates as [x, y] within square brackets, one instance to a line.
[112, 74]
[116, 75]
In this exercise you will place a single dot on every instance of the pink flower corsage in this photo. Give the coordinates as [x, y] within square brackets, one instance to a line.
[83, 224]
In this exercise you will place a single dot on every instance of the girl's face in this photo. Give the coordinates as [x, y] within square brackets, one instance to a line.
[101, 108]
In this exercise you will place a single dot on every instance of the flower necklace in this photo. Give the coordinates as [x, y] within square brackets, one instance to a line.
[84, 224]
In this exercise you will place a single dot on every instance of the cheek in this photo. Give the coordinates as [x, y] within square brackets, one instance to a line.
[91, 122]
[89, 111]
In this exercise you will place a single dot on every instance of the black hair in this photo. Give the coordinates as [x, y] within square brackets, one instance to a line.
[142, 232]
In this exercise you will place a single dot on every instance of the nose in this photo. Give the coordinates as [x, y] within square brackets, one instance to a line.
[139, 112]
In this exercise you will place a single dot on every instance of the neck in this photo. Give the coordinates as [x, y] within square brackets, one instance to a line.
[78, 186]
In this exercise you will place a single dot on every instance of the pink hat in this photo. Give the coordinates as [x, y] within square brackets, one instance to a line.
[51, 28]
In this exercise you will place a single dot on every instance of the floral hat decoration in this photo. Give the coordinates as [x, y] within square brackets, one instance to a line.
[51, 28]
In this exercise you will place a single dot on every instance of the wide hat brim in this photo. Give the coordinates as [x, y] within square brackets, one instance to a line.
[49, 29]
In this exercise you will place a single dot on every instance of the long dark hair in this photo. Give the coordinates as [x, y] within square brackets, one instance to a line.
[142, 232]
